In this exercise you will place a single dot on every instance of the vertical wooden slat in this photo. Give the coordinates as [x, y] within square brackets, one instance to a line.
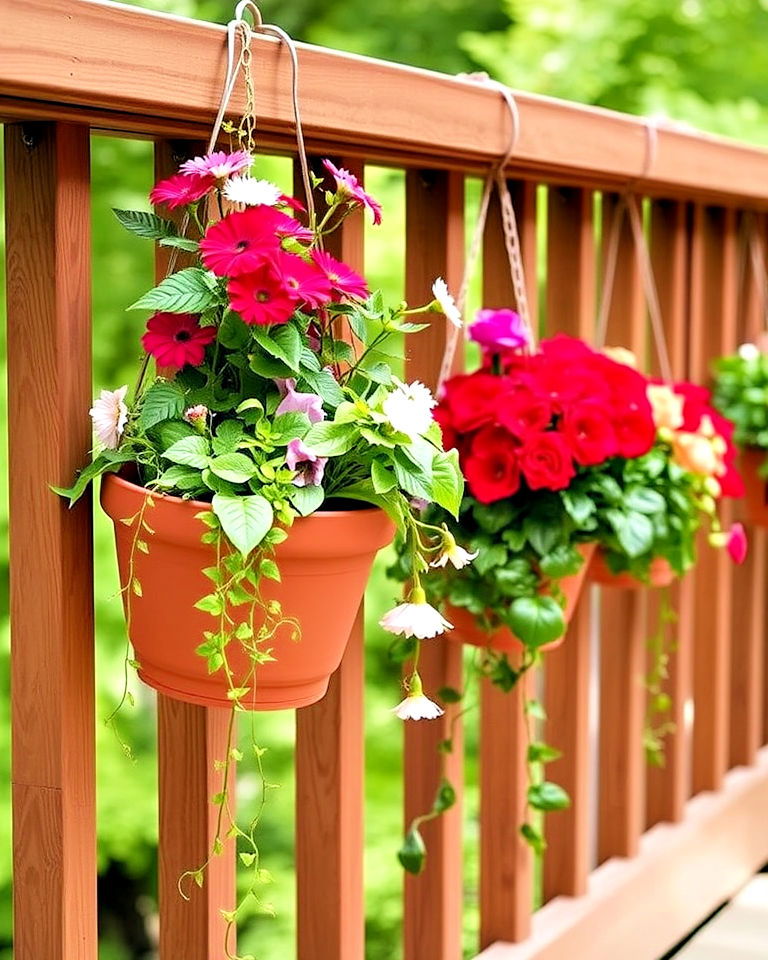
[668, 787]
[329, 760]
[506, 864]
[51, 558]
[749, 606]
[622, 614]
[433, 913]
[570, 309]
[713, 328]
[190, 740]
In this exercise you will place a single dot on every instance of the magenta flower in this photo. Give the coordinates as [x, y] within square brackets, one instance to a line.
[349, 187]
[309, 403]
[736, 544]
[218, 164]
[342, 278]
[177, 339]
[498, 330]
[260, 297]
[309, 466]
[178, 190]
[244, 240]
[303, 279]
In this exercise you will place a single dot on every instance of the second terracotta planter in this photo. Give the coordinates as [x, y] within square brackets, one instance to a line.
[325, 563]
[660, 574]
[466, 629]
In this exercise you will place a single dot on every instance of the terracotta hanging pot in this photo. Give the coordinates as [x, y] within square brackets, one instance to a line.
[755, 486]
[325, 563]
[466, 629]
[660, 574]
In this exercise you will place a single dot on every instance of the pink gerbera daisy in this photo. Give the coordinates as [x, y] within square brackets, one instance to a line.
[242, 241]
[176, 339]
[342, 278]
[179, 190]
[303, 279]
[348, 186]
[218, 164]
[260, 297]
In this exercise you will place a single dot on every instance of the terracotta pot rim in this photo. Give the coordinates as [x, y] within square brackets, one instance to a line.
[206, 505]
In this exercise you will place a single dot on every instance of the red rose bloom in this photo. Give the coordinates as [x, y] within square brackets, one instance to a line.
[260, 297]
[546, 461]
[491, 467]
[635, 432]
[176, 339]
[523, 411]
[471, 399]
[589, 433]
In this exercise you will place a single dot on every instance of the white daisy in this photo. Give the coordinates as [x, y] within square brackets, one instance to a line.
[749, 351]
[109, 414]
[408, 408]
[417, 618]
[251, 192]
[446, 302]
[458, 556]
[416, 706]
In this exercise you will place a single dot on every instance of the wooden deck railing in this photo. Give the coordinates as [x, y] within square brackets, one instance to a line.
[669, 844]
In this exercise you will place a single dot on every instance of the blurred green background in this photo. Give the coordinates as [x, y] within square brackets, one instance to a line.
[699, 61]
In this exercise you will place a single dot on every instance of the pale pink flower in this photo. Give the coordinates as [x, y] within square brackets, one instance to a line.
[109, 414]
[350, 188]
[309, 403]
[218, 164]
[416, 618]
[197, 416]
[309, 467]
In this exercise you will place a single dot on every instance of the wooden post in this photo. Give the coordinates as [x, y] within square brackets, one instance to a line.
[567, 671]
[190, 739]
[433, 900]
[329, 757]
[49, 387]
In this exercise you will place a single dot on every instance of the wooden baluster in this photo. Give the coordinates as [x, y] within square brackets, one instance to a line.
[51, 555]
[749, 607]
[329, 758]
[433, 900]
[571, 310]
[668, 787]
[623, 621]
[506, 864]
[713, 330]
[190, 739]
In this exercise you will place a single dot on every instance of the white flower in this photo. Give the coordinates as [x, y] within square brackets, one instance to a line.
[446, 302]
[749, 351]
[408, 408]
[417, 618]
[250, 191]
[458, 556]
[109, 414]
[417, 708]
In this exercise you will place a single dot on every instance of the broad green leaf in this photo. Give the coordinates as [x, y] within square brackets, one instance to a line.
[563, 561]
[180, 478]
[547, 797]
[330, 439]
[164, 400]
[325, 384]
[644, 500]
[633, 530]
[190, 451]
[447, 481]
[181, 243]
[281, 341]
[445, 797]
[108, 462]
[413, 853]
[579, 506]
[383, 478]
[290, 426]
[536, 620]
[542, 753]
[188, 291]
[233, 332]
[244, 520]
[145, 224]
[235, 467]
[307, 499]
[228, 436]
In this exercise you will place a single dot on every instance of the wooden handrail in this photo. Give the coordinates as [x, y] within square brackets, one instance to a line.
[119, 68]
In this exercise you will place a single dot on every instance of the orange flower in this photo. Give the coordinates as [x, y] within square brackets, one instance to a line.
[696, 454]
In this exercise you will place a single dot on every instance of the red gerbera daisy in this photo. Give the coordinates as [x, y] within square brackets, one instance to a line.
[260, 297]
[241, 242]
[179, 190]
[343, 279]
[176, 339]
[303, 280]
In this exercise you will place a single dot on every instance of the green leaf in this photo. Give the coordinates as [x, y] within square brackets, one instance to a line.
[307, 499]
[413, 853]
[181, 243]
[180, 478]
[233, 332]
[164, 400]
[579, 506]
[281, 341]
[449, 695]
[534, 838]
[188, 291]
[563, 561]
[235, 467]
[228, 436]
[447, 481]
[543, 533]
[244, 520]
[325, 384]
[382, 477]
[144, 224]
[490, 557]
[108, 462]
[644, 500]
[633, 530]
[190, 451]
[536, 620]
[269, 367]
[547, 797]
[330, 439]
[290, 426]
[542, 753]
[445, 797]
